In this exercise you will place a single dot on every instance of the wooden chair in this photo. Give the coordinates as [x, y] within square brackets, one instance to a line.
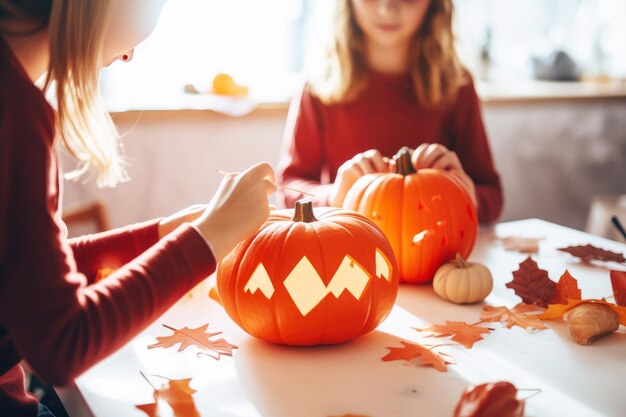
[91, 214]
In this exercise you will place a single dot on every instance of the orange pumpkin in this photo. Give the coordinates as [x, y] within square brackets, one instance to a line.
[303, 281]
[428, 216]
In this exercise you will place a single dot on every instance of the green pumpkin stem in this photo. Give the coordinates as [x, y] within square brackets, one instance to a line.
[459, 260]
[303, 211]
[404, 166]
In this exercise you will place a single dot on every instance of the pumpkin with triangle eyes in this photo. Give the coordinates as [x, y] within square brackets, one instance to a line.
[427, 215]
[308, 278]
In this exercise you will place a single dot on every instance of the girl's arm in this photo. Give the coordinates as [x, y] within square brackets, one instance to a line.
[302, 154]
[469, 141]
[114, 248]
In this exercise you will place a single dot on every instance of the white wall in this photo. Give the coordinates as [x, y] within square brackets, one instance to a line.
[553, 157]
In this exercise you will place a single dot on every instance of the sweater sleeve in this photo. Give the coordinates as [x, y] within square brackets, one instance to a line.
[469, 141]
[57, 322]
[302, 156]
[113, 248]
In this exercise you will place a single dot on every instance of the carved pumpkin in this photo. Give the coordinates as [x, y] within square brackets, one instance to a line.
[304, 281]
[428, 216]
[463, 282]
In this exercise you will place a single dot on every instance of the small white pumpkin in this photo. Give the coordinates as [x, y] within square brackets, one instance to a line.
[462, 282]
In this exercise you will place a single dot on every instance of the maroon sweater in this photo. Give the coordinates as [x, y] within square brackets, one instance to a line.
[386, 116]
[51, 313]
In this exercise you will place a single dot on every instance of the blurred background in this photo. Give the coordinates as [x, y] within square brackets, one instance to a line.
[551, 77]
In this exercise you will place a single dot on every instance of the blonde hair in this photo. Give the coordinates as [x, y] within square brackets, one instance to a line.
[76, 31]
[434, 66]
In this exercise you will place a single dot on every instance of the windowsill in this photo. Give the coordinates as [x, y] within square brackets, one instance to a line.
[496, 92]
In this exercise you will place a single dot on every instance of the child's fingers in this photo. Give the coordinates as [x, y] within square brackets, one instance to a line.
[262, 170]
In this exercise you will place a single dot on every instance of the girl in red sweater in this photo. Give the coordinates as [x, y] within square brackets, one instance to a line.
[390, 77]
[52, 314]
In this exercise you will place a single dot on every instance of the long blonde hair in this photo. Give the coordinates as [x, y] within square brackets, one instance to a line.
[434, 66]
[76, 31]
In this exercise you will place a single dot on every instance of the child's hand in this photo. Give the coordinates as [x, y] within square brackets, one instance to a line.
[237, 209]
[350, 171]
[188, 215]
[435, 155]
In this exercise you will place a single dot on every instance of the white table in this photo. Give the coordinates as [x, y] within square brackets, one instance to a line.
[275, 381]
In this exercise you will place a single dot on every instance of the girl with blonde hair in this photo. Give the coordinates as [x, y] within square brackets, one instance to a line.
[42, 273]
[390, 77]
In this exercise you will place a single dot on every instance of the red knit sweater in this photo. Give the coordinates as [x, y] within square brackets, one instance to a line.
[51, 314]
[386, 116]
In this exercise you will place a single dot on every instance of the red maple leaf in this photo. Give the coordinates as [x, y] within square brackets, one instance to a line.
[422, 354]
[618, 282]
[195, 337]
[514, 317]
[532, 284]
[461, 332]
[588, 253]
[490, 400]
[566, 289]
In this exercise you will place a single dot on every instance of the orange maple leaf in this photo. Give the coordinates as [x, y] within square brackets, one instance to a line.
[422, 354]
[566, 289]
[514, 317]
[177, 394]
[197, 337]
[556, 311]
[461, 332]
[215, 295]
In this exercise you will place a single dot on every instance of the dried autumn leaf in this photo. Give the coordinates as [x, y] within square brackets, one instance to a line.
[588, 253]
[177, 394]
[566, 289]
[422, 354]
[520, 244]
[215, 295]
[514, 317]
[463, 333]
[195, 337]
[618, 282]
[490, 400]
[532, 284]
[556, 311]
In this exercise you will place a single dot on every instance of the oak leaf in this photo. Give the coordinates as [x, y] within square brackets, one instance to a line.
[514, 317]
[177, 394]
[532, 284]
[490, 400]
[618, 282]
[421, 354]
[588, 253]
[198, 337]
[566, 289]
[520, 244]
[461, 332]
[556, 311]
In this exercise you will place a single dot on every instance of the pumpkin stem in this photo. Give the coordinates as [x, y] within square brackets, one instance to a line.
[303, 211]
[459, 260]
[404, 166]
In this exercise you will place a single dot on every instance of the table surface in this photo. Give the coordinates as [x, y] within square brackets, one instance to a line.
[275, 381]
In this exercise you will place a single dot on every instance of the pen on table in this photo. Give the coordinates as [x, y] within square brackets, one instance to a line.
[618, 226]
[219, 171]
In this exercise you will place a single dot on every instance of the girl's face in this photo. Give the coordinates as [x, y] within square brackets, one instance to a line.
[128, 23]
[389, 23]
